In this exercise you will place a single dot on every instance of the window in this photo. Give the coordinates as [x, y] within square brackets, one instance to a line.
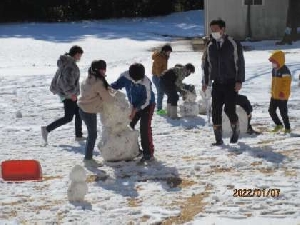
[253, 2]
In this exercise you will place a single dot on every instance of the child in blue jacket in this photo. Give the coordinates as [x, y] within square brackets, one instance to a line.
[141, 97]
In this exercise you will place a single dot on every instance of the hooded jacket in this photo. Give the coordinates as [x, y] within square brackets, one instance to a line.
[66, 80]
[174, 77]
[139, 93]
[281, 77]
[93, 95]
[160, 63]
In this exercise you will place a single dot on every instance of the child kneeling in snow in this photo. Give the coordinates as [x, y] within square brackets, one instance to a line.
[281, 89]
[141, 97]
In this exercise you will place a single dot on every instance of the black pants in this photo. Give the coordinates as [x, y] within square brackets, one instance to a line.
[145, 117]
[282, 105]
[171, 92]
[223, 94]
[71, 109]
[243, 101]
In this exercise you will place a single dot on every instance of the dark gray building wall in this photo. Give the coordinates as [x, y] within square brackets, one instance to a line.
[268, 21]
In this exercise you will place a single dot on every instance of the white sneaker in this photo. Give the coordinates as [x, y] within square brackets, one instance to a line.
[80, 138]
[44, 134]
[91, 163]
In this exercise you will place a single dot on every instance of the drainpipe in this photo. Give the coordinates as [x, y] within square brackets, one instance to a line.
[248, 26]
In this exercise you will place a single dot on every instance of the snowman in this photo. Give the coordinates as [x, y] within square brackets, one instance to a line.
[78, 187]
[118, 141]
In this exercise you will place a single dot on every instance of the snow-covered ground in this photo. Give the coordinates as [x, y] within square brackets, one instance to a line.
[191, 182]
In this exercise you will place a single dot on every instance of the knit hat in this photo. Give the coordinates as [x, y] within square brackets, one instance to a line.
[98, 65]
[137, 71]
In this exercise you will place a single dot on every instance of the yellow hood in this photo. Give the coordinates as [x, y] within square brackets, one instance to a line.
[278, 57]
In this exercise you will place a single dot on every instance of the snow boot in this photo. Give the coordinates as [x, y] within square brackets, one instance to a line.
[249, 127]
[173, 112]
[235, 132]
[218, 135]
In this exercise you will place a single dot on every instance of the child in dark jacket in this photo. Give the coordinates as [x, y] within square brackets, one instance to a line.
[141, 97]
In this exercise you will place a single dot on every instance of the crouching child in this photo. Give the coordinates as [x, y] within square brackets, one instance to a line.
[141, 97]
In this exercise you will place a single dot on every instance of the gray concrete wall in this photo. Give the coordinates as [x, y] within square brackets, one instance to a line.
[267, 21]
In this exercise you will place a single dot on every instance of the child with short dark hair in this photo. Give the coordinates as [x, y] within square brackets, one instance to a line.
[141, 97]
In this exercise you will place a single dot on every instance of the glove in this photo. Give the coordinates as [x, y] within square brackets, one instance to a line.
[190, 88]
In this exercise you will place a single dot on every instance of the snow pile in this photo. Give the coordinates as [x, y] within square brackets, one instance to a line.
[189, 106]
[118, 142]
[205, 101]
[78, 187]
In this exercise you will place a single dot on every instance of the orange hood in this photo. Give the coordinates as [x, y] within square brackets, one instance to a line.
[278, 57]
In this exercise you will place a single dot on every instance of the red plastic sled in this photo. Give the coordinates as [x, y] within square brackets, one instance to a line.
[21, 170]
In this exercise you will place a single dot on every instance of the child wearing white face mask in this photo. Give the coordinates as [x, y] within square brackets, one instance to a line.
[281, 89]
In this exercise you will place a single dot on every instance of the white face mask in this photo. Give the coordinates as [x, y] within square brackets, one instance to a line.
[216, 35]
[274, 65]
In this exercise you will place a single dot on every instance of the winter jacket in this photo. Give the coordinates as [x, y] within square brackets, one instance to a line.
[174, 77]
[139, 93]
[66, 80]
[281, 77]
[224, 61]
[160, 63]
[93, 95]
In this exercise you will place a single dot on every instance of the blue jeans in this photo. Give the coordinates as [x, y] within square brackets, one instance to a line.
[160, 93]
[90, 120]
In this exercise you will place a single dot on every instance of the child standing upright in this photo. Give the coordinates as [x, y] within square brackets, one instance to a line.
[142, 100]
[159, 65]
[281, 89]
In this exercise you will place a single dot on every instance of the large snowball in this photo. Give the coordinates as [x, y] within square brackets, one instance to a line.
[119, 146]
[189, 107]
[243, 120]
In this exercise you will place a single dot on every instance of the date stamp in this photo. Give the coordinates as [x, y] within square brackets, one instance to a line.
[274, 193]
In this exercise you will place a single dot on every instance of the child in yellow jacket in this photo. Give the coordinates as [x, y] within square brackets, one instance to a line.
[281, 89]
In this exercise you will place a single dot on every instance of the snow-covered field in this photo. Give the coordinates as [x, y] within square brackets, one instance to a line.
[191, 182]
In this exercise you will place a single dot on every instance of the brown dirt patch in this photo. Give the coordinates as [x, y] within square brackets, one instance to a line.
[266, 170]
[190, 207]
[46, 178]
[218, 169]
[133, 202]
[173, 181]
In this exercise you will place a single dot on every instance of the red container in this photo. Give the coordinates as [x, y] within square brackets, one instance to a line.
[21, 170]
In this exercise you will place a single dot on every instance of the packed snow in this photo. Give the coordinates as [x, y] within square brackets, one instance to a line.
[190, 182]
